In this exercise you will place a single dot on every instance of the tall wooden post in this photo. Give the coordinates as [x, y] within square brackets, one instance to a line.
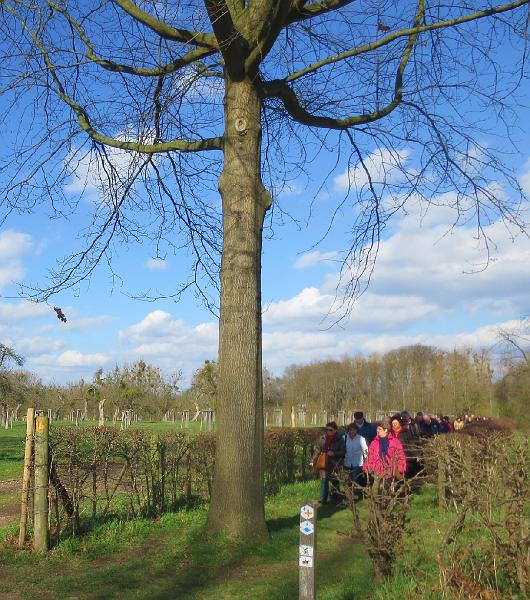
[41, 534]
[307, 552]
[26, 477]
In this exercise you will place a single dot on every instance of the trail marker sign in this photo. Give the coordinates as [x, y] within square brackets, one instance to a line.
[306, 527]
[307, 511]
[307, 552]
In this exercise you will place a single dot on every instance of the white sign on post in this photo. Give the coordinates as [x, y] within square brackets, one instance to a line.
[306, 561]
[307, 553]
[306, 527]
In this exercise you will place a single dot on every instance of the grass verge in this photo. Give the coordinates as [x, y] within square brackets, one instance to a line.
[172, 558]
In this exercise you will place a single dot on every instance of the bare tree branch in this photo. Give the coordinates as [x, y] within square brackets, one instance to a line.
[194, 38]
[281, 90]
[415, 30]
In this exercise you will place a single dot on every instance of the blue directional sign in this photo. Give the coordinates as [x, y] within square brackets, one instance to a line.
[307, 528]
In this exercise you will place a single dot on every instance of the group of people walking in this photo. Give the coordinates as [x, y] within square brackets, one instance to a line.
[389, 450]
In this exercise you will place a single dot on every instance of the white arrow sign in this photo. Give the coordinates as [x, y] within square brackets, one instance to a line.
[307, 512]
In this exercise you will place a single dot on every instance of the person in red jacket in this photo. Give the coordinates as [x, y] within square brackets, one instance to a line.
[385, 454]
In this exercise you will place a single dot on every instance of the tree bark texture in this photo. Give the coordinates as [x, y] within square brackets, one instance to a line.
[237, 496]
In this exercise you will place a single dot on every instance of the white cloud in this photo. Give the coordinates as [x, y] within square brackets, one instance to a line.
[156, 264]
[89, 176]
[299, 340]
[425, 257]
[299, 346]
[29, 346]
[13, 245]
[24, 310]
[312, 258]
[383, 167]
[310, 303]
[71, 359]
[158, 335]
[282, 348]
[430, 274]
[170, 343]
[157, 322]
[370, 312]
[484, 337]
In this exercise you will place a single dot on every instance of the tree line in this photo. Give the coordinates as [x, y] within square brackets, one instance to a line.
[416, 377]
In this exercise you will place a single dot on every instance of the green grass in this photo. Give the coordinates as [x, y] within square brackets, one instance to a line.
[12, 443]
[172, 558]
[12, 451]
[193, 427]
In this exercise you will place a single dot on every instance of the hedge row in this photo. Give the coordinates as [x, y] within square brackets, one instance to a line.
[102, 470]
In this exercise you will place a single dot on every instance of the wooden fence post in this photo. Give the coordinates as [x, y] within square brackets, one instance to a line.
[26, 477]
[41, 533]
[307, 552]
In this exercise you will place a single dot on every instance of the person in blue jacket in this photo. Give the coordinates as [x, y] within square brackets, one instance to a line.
[367, 430]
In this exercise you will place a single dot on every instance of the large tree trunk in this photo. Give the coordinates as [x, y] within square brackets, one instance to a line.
[237, 505]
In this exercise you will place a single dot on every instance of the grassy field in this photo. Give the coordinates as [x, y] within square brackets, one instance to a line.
[11, 462]
[12, 451]
[12, 445]
[12, 458]
[171, 557]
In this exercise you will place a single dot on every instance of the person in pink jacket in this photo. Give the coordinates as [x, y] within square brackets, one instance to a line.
[385, 454]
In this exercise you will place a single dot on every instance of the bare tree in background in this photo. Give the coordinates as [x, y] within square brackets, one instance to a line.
[8, 357]
[157, 102]
[517, 340]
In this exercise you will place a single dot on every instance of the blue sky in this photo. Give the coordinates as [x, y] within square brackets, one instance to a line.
[430, 284]
[429, 287]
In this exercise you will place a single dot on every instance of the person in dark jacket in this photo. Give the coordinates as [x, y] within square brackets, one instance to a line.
[430, 426]
[445, 425]
[367, 430]
[333, 445]
[409, 424]
[409, 442]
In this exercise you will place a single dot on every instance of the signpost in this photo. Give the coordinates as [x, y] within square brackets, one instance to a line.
[307, 552]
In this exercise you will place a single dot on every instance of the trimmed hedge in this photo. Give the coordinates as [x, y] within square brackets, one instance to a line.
[101, 470]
